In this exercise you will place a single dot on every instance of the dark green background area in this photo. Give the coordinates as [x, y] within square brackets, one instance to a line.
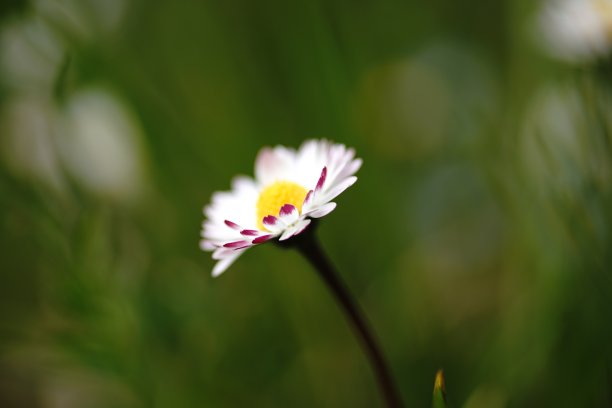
[473, 242]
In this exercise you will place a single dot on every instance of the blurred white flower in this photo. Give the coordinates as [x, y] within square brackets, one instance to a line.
[27, 127]
[30, 56]
[32, 48]
[91, 135]
[290, 188]
[101, 145]
[95, 139]
[576, 30]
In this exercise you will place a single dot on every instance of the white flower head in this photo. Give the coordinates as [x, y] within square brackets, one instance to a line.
[576, 30]
[290, 188]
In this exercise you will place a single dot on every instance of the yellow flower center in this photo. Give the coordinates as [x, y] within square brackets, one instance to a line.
[277, 194]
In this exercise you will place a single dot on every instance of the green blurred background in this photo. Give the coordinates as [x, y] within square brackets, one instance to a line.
[477, 237]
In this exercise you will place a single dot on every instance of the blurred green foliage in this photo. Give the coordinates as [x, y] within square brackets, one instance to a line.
[477, 237]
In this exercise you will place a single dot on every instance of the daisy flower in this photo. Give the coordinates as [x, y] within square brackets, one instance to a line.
[291, 187]
[576, 30]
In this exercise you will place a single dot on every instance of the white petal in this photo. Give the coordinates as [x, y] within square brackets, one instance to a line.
[221, 253]
[339, 156]
[308, 151]
[322, 211]
[343, 167]
[237, 205]
[219, 232]
[225, 263]
[294, 229]
[206, 245]
[311, 158]
[308, 198]
[274, 227]
[274, 164]
[244, 185]
[288, 233]
[336, 190]
[350, 169]
[301, 226]
[288, 214]
[314, 155]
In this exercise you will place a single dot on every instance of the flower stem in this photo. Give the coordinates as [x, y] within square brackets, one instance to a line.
[308, 245]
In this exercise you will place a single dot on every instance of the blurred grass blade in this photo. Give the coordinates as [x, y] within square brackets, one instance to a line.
[60, 84]
[439, 391]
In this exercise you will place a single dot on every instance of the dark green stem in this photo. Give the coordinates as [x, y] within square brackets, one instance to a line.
[308, 245]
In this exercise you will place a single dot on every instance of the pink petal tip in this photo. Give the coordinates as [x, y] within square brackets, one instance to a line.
[286, 209]
[322, 178]
[261, 239]
[231, 224]
[237, 244]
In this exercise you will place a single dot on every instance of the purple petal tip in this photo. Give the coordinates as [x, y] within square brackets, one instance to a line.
[308, 197]
[261, 239]
[231, 224]
[322, 179]
[269, 220]
[286, 210]
[236, 244]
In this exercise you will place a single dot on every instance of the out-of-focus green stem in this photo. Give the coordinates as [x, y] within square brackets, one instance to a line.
[308, 245]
